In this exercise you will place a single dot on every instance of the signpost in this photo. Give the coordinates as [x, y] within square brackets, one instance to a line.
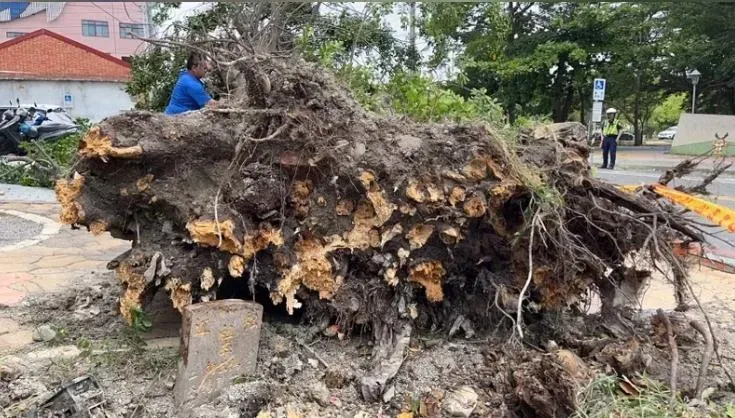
[598, 93]
[598, 96]
[596, 111]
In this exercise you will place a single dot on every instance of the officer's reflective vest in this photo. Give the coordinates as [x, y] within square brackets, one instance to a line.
[611, 128]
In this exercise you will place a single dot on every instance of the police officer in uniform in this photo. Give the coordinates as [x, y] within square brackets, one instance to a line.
[611, 131]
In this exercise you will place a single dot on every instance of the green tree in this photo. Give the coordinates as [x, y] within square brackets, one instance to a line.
[536, 58]
[481, 40]
[635, 62]
[667, 112]
[355, 37]
[701, 35]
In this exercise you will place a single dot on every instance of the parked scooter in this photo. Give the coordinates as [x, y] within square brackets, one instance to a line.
[10, 135]
[32, 123]
[50, 124]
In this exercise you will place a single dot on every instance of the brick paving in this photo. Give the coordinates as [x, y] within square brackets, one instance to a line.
[49, 265]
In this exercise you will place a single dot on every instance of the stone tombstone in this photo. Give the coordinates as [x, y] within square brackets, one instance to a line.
[219, 342]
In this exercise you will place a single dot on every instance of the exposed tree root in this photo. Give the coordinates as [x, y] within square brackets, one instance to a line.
[673, 347]
[706, 356]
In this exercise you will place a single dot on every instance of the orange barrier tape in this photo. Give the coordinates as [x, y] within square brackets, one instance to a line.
[721, 215]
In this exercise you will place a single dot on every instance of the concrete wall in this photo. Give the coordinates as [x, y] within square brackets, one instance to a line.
[696, 133]
[94, 100]
[69, 23]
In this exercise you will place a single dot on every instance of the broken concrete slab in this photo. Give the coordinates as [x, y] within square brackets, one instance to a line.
[44, 333]
[460, 402]
[219, 342]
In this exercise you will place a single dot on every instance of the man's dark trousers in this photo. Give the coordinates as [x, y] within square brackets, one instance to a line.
[609, 147]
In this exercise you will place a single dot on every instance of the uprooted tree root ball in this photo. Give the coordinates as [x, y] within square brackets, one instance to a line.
[293, 191]
[336, 211]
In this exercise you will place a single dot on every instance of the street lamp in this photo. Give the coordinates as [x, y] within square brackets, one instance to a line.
[694, 76]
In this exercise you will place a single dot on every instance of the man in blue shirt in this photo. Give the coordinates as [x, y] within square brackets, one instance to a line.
[189, 93]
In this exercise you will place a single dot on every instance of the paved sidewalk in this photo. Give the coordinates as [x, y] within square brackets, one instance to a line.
[47, 262]
[14, 193]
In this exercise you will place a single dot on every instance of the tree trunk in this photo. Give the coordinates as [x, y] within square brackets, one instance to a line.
[637, 114]
[582, 107]
[563, 95]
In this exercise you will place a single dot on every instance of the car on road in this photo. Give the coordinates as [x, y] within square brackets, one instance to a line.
[667, 133]
[627, 136]
[596, 138]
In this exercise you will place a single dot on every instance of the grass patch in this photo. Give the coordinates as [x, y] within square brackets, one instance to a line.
[126, 353]
[603, 398]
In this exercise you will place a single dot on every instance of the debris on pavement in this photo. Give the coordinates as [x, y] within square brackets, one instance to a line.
[82, 397]
[388, 358]
[460, 402]
[142, 382]
[44, 333]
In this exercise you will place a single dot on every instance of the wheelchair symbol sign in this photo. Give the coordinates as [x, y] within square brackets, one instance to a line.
[598, 93]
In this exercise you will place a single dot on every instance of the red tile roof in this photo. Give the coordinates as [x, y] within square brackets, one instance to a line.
[45, 55]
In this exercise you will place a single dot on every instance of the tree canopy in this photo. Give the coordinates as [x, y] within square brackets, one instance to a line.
[533, 59]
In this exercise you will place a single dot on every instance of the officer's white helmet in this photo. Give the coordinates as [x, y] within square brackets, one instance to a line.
[611, 110]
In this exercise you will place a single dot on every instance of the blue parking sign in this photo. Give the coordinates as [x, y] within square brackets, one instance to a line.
[598, 93]
[68, 100]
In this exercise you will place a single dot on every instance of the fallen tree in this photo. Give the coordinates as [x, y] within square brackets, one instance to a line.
[292, 190]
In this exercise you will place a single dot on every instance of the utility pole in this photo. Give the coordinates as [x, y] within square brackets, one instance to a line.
[413, 54]
[150, 30]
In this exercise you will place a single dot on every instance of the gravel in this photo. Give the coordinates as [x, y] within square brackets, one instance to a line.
[14, 229]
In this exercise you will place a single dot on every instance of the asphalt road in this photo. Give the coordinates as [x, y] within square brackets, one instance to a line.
[722, 189]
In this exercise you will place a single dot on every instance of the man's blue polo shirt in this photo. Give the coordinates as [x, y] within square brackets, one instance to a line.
[188, 94]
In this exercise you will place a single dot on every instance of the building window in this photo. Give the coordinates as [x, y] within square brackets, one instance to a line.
[131, 30]
[95, 28]
[14, 34]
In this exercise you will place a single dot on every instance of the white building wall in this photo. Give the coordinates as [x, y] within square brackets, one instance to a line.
[695, 134]
[94, 100]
